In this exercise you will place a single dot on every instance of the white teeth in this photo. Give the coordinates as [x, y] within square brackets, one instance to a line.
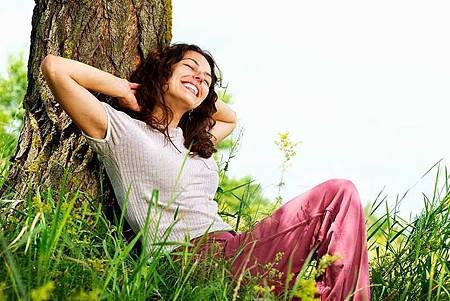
[191, 87]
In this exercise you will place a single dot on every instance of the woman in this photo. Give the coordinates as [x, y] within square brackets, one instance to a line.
[167, 146]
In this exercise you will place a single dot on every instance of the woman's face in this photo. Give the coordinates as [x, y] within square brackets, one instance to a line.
[189, 83]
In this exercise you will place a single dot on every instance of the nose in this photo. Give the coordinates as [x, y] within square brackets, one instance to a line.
[199, 76]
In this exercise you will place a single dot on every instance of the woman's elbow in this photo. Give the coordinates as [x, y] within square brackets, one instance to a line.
[48, 66]
[234, 118]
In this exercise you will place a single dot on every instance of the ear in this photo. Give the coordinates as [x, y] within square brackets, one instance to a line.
[165, 87]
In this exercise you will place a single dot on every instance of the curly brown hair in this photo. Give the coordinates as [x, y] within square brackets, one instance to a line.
[153, 74]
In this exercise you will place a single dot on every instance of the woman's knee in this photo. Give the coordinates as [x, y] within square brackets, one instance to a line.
[343, 186]
[339, 184]
[342, 193]
[329, 193]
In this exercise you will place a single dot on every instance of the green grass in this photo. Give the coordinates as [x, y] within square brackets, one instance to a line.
[411, 259]
[53, 250]
[77, 253]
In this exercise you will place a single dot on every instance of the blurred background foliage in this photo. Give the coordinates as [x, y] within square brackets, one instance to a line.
[12, 91]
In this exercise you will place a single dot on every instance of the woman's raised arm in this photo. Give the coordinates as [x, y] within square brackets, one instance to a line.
[70, 81]
[225, 119]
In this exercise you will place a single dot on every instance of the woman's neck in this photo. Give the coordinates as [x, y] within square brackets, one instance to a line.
[158, 113]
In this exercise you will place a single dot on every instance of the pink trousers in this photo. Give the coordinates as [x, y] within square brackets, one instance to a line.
[327, 219]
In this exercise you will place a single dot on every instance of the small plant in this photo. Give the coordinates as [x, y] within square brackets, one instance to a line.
[288, 150]
[305, 286]
[43, 293]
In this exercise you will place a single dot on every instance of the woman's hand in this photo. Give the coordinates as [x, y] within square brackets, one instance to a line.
[128, 100]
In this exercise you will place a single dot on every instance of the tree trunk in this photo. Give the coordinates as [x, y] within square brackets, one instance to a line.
[111, 35]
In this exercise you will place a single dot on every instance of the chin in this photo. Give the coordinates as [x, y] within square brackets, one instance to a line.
[191, 102]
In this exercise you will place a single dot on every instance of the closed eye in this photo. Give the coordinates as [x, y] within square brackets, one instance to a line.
[192, 68]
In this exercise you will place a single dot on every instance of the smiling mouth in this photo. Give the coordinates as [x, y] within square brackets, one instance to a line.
[192, 88]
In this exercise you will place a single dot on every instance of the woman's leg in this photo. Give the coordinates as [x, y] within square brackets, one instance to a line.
[328, 218]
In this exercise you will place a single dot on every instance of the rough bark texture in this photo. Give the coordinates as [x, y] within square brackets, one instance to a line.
[111, 35]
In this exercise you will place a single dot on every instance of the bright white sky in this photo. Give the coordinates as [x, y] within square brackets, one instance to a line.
[364, 85]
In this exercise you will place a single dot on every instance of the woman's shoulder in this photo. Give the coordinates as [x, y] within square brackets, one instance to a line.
[121, 127]
[118, 116]
[116, 113]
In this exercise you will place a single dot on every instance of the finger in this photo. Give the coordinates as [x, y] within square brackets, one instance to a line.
[136, 107]
[134, 85]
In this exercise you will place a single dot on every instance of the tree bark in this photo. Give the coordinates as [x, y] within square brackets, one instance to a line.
[113, 35]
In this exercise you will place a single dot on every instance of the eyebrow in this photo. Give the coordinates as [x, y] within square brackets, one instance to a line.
[188, 58]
